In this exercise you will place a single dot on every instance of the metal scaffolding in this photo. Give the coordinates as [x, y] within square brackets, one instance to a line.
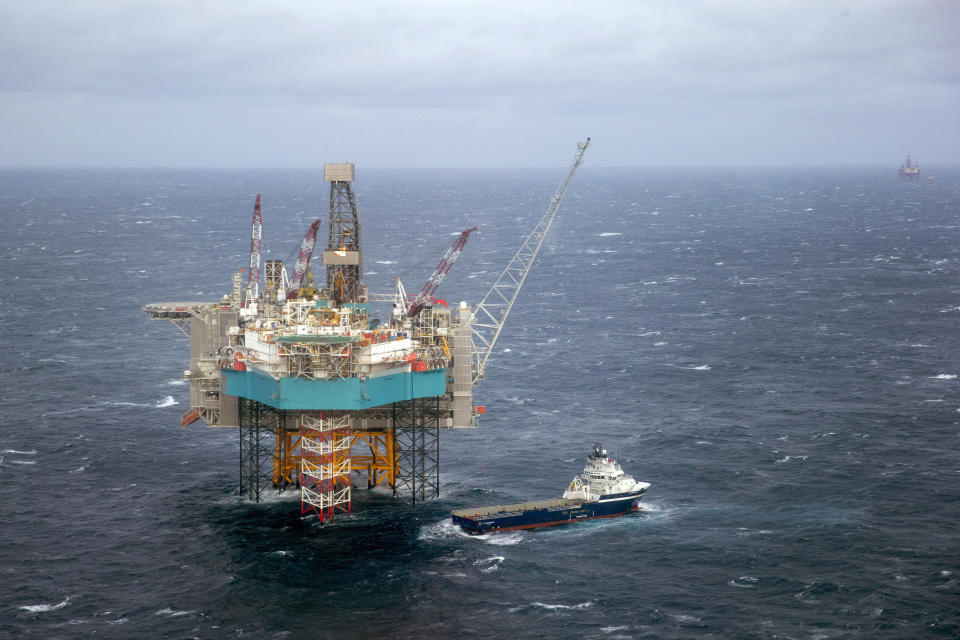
[258, 441]
[324, 464]
[416, 425]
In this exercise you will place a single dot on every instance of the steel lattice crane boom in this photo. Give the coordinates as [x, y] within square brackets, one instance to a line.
[256, 239]
[303, 260]
[495, 306]
[439, 273]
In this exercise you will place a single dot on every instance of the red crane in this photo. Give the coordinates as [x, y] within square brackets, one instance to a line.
[303, 260]
[438, 274]
[256, 237]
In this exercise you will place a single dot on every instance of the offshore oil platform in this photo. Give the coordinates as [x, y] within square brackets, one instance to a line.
[909, 169]
[323, 393]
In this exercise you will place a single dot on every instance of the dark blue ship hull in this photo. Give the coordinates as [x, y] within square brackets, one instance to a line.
[543, 513]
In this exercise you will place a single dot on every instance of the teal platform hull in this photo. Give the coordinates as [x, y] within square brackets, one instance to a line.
[350, 394]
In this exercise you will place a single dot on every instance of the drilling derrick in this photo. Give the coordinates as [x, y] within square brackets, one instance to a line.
[321, 392]
[343, 258]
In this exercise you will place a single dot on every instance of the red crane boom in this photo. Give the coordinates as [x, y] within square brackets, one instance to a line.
[438, 274]
[303, 260]
[256, 238]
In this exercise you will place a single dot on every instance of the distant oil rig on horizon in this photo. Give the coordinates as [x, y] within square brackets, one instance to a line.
[909, 169]
[319, 389]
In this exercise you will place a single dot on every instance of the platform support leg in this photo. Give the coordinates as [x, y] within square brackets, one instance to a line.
[416, 424]
[258, 433]
[324, 464]
[376, 456]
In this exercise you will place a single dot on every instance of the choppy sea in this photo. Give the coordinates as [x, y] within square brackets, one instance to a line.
[776, 351]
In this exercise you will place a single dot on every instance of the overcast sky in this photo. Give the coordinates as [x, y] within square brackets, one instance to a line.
[478, 84]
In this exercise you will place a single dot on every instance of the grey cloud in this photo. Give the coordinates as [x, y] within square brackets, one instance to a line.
[500, 65]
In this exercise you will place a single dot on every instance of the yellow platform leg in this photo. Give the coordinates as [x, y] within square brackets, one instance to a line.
[378, 457]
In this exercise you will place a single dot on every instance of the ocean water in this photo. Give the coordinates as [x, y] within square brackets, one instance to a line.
[774, 350]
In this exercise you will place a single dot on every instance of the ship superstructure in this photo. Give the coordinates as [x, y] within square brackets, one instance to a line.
[603, 480]
[319, 388]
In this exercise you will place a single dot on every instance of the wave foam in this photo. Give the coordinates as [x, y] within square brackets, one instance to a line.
[743, 582]
[944, 376]
[41, 608]
[502, 539]
[554, 607]
[494, 563]
[786, 459]
[168, 401]
[443, 530]
[173, 613]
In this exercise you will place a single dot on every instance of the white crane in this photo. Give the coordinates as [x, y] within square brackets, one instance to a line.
[492, 311]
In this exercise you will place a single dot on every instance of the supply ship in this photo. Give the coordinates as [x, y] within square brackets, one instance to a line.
[603, 490]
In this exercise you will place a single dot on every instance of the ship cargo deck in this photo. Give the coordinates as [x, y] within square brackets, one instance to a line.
[516, 509]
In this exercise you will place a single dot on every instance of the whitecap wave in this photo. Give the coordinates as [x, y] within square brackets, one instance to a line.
[41, 608]
[443, 530]
[607, 234]
[786, 459]
[553, 607]
[502, 539]
[490, 564]
[944, 376]
[177, 382]
[168, 401]
[173, 613]
[32, 452]
[743, 582]
[683, 617]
